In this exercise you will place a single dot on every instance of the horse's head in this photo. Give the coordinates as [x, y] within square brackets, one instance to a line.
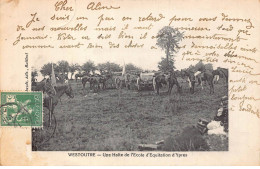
[183, 73]
[161, 79]
[69, 91]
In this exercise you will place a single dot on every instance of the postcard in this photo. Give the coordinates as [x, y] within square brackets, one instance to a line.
[126, 82]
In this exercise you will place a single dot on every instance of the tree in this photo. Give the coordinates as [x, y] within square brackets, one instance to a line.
[47, 68]
[34, 74]
[164, 66]
[101, 67]
[108, 67]
[73, 68]
[63, 67]
[131, 67]
[88, 67]
[168, 39]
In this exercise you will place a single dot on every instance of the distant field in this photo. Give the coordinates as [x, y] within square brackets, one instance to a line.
[107, 122]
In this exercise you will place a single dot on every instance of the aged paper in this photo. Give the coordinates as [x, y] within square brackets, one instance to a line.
[128, 82]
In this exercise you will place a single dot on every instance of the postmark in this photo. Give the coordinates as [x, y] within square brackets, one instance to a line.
[21, 109]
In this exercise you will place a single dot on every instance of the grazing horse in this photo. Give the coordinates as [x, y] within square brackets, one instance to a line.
[158, 81]
[173, 81]
[191, 79]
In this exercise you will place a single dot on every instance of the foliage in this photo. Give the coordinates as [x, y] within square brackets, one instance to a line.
[131, 67]
[168, 39]
[108, 67]
[73, 68]
[88, 67]
[63, 67]
[164, 66]
[46, 69]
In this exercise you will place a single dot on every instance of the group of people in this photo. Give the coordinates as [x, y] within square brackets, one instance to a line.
[219, 124]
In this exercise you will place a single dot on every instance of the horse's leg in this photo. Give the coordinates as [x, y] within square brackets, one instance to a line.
[104, 85]
[211, 83]
[212, 86]
[170, 88]
[158, 88]
[178, 86]
[193, 86]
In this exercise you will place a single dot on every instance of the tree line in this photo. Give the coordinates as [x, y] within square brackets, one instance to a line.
[168, 39]
[63, 67]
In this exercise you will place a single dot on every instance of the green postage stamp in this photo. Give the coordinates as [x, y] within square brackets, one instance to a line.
[21, 109]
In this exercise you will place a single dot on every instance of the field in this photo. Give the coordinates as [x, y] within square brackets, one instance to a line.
[114, 120]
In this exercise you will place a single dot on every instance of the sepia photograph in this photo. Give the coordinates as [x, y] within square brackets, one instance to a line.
[129, 83]
[124, 107]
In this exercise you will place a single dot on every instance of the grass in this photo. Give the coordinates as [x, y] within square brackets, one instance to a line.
[102, 122]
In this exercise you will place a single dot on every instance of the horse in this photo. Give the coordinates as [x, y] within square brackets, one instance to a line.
[52, 94]
[93, 81]
[50, 101]
[79, 75]
[84, 80]
[158, 81]
[38, 86]
[173, 81]
[102, 80]
[224, 72]
[208, 76]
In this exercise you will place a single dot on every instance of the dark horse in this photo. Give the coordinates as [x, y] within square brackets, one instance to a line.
[79, 75]
[158, 81]
[93, 81]
[53, 95]
[206, 75]
[103, 79]
[173, 81]
[51, 101]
